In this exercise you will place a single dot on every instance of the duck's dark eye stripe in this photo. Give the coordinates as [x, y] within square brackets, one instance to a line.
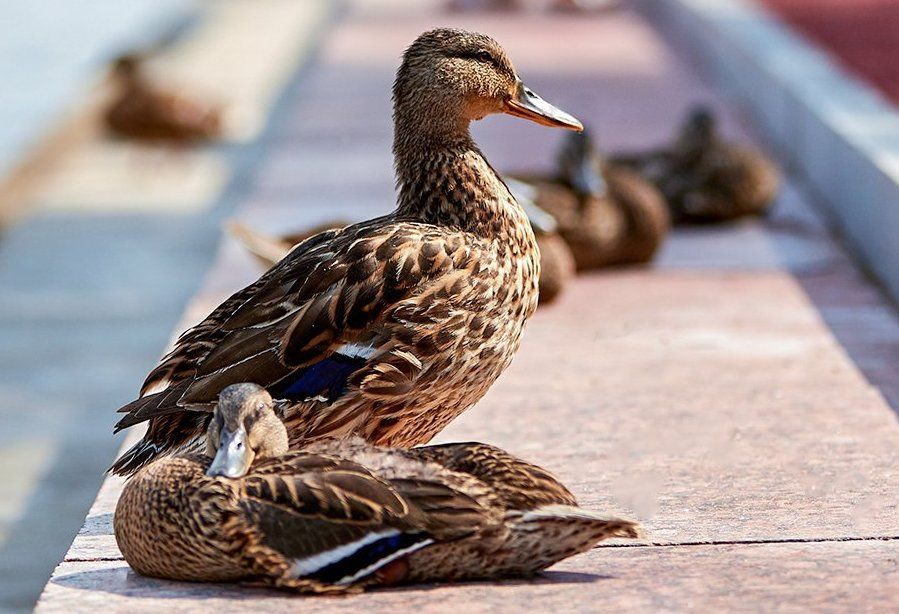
[249, 421]
[481, 56]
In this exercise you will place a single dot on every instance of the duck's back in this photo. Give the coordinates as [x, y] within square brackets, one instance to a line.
[645, 211]
[746, 177]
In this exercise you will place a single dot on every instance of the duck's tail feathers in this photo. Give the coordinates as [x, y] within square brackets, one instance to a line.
[266, 248]
[136, 457]
[166, 434]
[606, 526]
[544, 536]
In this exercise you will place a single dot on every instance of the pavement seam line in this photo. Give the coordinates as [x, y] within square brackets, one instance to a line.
[737, 542]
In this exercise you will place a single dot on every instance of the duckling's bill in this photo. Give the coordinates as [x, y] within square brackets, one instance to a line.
[527, 104]
[233, 457]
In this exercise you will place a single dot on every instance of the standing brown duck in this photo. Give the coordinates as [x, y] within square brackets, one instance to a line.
[142, 111]
[706, 178]
[606, 213]
[386, 329]
[344, 514]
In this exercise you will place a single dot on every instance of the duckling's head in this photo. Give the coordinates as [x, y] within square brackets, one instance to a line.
[580, 165]
[451, 77]
[244, 427]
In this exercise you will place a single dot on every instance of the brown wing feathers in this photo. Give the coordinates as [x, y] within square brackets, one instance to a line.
[339, 520]
[335, 288]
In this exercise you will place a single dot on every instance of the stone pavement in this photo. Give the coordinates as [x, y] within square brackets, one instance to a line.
[734, 397]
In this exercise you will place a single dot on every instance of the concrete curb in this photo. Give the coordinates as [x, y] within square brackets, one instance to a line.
[839, 133]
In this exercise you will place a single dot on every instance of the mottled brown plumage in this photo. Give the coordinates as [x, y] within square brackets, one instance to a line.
[144, 111]
[556, 262]
[705, 178]
[606, 213]
[344, 514]
[388, 328]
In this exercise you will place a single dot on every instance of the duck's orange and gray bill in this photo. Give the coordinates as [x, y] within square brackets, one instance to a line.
[527, 104]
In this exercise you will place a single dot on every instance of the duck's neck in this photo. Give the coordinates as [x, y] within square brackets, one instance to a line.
[443, 178]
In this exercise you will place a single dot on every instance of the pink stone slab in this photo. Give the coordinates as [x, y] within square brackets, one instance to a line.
[711, 407]
[793, 577]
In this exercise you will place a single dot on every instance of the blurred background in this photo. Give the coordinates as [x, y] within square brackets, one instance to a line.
[132, 131]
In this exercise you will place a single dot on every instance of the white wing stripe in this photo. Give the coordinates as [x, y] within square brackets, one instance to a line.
[311, 564]
[356, 350]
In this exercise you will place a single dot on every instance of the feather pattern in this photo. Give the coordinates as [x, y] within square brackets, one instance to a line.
[439, 290]
[344, 514]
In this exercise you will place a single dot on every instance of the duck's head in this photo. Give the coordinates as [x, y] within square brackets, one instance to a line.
[244, 427]
[698, 129]
[126, 65]
[580, 165]
[451, 77]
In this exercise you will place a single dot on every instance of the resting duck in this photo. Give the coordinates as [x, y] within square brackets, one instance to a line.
[344, 514]
[556, 261]
[606, 213]
[705, 178]
[389, 328]
[141, 111]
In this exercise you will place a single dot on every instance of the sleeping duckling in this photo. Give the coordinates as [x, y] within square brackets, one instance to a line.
[344, 515]
[606, 213]
[142, 111]
[705, 178]
[556, 262]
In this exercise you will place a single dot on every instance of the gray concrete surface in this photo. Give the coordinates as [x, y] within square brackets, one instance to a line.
[88, 302]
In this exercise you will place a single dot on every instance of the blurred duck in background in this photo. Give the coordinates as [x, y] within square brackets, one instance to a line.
[706, 178]
[607, 214]
[143, 111]
[557, 266]
[268, 249]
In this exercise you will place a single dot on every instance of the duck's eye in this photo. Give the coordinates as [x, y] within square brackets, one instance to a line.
[484, 56]
[260, 406]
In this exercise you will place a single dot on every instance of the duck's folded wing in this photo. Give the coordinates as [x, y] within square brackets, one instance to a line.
[336, 526]
[308, 325]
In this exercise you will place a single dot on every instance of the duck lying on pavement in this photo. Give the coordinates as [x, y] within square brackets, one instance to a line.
[706, 178]
[607, 214]
[344, 514]
[144, 111]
